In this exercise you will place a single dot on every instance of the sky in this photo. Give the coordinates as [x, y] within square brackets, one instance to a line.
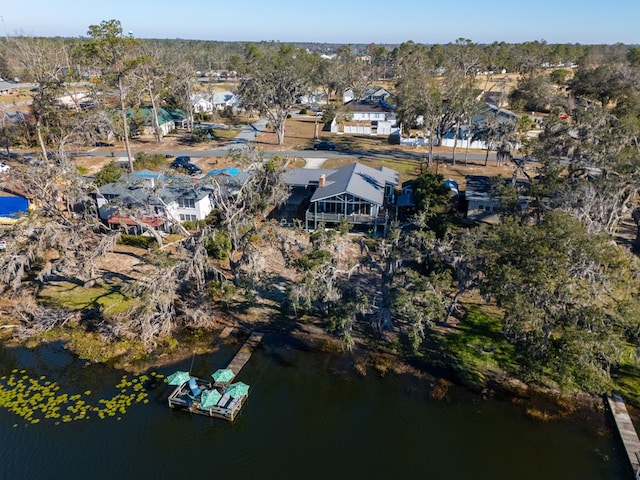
[336, 21]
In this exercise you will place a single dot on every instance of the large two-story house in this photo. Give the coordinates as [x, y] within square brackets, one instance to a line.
[153, 199]
[369, 115]
[356, 193]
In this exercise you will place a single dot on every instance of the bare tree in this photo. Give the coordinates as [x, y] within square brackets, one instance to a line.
[274, 82]
[113, 57]
[244, 204]
[152, 78]
[49, 65]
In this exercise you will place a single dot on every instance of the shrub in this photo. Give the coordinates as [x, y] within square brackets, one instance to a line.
[137, 241]
[219, 246]
[110, 173]
[194, 224]
[200, 135]
[154, 161]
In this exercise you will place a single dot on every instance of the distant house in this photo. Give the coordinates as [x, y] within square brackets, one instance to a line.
[8, 87]
[371, 94]
[223, 75]
[366, 119]
[201, 103]
[223, 100]
[168, 120]
[219, 101]
[482, 201]
[76, 100]
[356, 193]
[312, 99]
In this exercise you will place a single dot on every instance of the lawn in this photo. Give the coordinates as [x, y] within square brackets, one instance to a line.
[106, 297]
[474, 347]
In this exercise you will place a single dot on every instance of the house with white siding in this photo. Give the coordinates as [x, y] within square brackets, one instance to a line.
[151, 198]
[209, 103]
[365, 118]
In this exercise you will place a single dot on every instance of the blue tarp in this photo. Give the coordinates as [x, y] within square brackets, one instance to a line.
[387, 105]
[451, 185]
[229, 171]
[13, 206]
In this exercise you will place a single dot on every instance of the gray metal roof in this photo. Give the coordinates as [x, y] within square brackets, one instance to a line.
[478, 187]
[358, 180]
[146, 187]
[304, 177]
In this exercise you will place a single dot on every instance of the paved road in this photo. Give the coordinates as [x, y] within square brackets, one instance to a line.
[248, 134]
[310, 153]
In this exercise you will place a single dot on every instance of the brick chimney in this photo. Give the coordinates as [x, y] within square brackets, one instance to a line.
[322, 180]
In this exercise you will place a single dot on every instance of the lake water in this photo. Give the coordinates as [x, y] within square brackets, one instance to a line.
[308, 417]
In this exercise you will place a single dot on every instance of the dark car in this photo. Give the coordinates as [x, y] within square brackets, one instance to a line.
[180, 161]
[324, 146]
[189, 167]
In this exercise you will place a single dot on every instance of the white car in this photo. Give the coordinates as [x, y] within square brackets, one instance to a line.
[3, 245]
[4, 168]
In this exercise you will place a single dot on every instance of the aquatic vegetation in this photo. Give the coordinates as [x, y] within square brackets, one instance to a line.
[38, 399]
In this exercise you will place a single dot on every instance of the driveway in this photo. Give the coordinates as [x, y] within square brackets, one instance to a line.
[313, 162]
[247, 134]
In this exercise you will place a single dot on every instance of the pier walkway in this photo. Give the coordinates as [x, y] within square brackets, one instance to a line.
[244, 354]
[627, 431]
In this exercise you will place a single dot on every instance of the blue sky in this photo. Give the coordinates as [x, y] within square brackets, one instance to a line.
[336, 21]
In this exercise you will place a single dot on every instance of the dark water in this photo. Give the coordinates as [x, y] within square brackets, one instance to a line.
[308, 417]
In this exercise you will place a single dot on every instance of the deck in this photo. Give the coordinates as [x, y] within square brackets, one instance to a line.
[626, 430]
[227, 407]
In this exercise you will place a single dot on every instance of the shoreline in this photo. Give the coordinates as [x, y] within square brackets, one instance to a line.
[543, 404]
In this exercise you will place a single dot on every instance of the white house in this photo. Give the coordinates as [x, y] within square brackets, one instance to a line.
[205, 103]
[153, 199]
[366, 119]
[201, 104]
[223, 100]
[312, 99]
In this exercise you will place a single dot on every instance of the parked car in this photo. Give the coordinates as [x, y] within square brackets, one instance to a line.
[4, 168]
[189, 167]
[324, 145]
[3, 245]
[181, 160]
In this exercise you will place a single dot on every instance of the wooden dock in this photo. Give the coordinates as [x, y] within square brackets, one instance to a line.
[226, 331]
[244, 354]
[626, 430]
[185, 398]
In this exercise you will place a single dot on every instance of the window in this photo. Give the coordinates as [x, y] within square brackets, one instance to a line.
[187, 218]
[186, 203]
